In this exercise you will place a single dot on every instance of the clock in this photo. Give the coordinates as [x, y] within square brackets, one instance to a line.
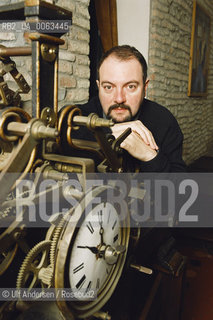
[91, 253]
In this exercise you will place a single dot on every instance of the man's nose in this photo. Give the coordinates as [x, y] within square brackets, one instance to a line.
[120, 96]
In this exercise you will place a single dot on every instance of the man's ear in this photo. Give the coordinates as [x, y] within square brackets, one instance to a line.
[145, 87]
[98, 83]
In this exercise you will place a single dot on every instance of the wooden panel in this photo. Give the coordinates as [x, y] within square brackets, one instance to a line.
[106, 13]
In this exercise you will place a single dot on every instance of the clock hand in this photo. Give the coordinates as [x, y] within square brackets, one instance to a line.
[100, 218]
[101, 232]
[93, 249]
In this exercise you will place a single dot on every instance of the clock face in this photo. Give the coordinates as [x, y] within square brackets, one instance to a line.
[89, 268]
[91, 252]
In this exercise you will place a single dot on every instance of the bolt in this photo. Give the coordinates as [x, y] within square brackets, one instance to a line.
[17, 235]
[45, 48]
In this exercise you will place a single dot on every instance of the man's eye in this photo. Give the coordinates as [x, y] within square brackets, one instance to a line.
[131, 86]
[108, 87]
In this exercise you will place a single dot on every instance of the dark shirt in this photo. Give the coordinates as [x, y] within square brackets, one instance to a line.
[164, 128]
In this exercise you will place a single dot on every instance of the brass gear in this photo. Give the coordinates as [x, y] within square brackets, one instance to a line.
[33, 266]
[56, 235]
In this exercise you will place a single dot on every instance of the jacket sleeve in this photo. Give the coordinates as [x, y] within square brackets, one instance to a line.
[169, 157]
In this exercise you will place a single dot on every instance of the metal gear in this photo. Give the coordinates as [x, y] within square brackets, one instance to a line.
[6, 258]
[9, 236]
[56, 235]
[31, 274]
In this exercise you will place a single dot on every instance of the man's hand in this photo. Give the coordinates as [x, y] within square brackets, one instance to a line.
[140, 143]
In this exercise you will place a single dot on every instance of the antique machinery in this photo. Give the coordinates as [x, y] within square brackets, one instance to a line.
[87, 246]
[32, 144]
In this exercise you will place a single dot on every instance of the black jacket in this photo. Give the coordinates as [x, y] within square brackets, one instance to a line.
[164, 128]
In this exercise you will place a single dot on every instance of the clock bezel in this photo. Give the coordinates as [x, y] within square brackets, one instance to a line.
[83, 309]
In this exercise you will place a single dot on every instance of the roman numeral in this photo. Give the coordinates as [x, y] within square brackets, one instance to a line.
[81, 282]
[98, 284]
[89, 286]
[78, 268]
[115, 238]
[114, 224]
[90, 227]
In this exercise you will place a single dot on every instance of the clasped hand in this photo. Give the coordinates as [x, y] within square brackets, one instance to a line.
[140, 143]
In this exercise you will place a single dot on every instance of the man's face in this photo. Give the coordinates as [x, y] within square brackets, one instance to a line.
[121, 88]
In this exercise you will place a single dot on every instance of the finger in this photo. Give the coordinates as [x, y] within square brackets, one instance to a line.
[142, 130]
[135, 146]
[139, 129]
[151, 140]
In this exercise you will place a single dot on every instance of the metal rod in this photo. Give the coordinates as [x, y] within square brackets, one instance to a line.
[92, 121]
[35, 36]
[15, 51]
[141, 268]
[56, 65]
[17, 128]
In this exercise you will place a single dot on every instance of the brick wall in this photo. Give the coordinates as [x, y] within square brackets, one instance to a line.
[74, 69]
[169, 53]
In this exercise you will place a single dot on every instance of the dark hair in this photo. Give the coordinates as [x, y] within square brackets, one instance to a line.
[125, 52]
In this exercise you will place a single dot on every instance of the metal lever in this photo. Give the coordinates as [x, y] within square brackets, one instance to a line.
[141, 268]
[116, 143]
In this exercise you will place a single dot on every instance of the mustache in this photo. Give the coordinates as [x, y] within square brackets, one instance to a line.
[115, 106]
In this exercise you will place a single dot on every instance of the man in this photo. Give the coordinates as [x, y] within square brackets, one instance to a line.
[155, 145]
[156, 139]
